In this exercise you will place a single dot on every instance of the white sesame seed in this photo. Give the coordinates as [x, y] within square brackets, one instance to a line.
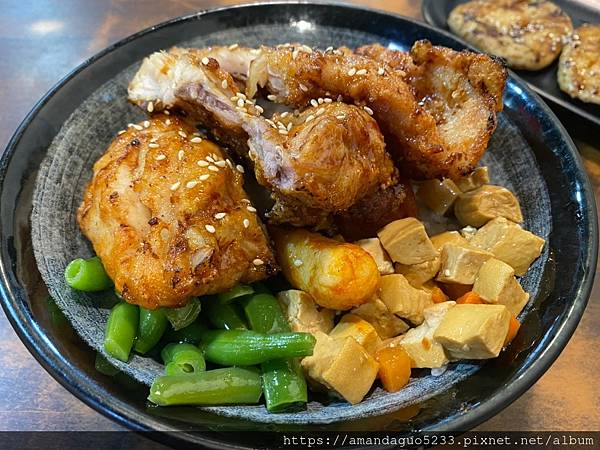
[240, 168]
[309, 118]
[289, 126]
[284, 114]
[213, 168]
[447, 272]
[327, 100]
[210, 229]
[168, 122]
[150, 107]
[166, 112]
[234, 98]
[202, 163]
[121, 132]
[303, 87]
[320, 100]
[256, 51]
[229, 163]
[259, 109]
[283, 131]
[175, 186]
[137, 127]
[221, 163]
[313, 102]
[328, 49]
[297, 263]
[191, 184]
[352, 72]
[154, 139]
[233, 46]
[180, 155]
[361, 72]
[153, 145]
[204, 177]
[224, 84]
[240, 103]
[294, 54]
[241, 95]
[160, 157]
[251, 208]
[271, 97]
[381, 71]
[246, 223]
[220, 215]
[368, 110]
[182, 134]
[205, 61]
[210, 158]
[249, 102]
[258, 262]
[320, 111]
[270, 122]
[146, 123]
[196, 140]
[340, 117]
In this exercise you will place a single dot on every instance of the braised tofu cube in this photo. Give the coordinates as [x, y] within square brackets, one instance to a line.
[496, 283]
[419, 342]
[303, 314]
[374, 248]
[377, 314]
[417, 274]
[406, 241]
[403, 299]
[485, 203]
[447, 237]
[356, 327]
[438, 195]
[510, 243]
[473, 331]
[460, 263]
[475, 179]
[343, 366]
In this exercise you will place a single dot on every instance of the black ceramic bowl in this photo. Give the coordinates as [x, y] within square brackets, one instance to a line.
[48, 161]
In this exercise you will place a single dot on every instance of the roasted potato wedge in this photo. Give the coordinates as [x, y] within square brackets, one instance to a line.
[338, 275]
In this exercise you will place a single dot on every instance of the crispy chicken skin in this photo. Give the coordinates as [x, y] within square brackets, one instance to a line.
[167, 214]
[324, 159]
[579, 65]
[528, 34]
[462, 91]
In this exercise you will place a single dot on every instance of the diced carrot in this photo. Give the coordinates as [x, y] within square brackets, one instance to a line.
[454, 291]
[513, 329]
[437, 295]
[470, 298]
[394, 368]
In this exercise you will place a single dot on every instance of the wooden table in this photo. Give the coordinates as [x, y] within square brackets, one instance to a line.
[42, 40]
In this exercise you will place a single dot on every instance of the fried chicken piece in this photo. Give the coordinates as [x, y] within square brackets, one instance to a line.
[462, 91]
[528, 34]
[579, 65]
[325, 159]
[422, 136]
[167, 214]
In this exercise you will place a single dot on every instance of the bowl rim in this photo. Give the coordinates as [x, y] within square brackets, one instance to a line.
[95, 396]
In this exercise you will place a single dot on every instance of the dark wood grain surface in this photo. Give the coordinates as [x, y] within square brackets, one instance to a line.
[42, 40]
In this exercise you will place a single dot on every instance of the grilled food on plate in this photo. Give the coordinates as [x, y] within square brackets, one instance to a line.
[167, 214]
[338, 138]
[579, 65]
[528, 34]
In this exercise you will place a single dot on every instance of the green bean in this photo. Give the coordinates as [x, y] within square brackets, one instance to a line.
[192, 334]
[239, 290]
[103, 366]
[247, 348]
[120, 330]
[87, 275]
[182, 359]
[152, 325]
[223, 315]
[284, 385]
[231, 385]
[182, 317]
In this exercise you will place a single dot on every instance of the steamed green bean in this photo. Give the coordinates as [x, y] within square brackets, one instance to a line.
[121, 330]
[87, 275]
